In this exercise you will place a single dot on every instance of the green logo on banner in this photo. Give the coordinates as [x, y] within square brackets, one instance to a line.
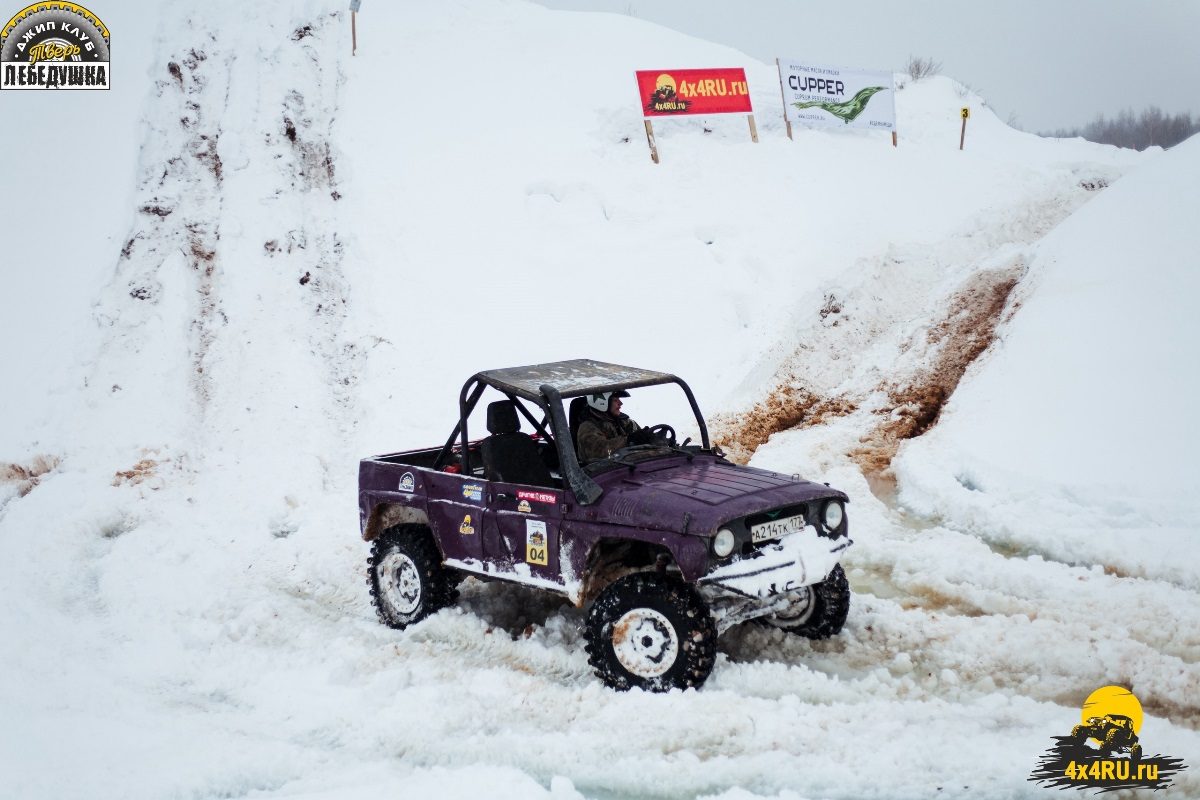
[848, 110]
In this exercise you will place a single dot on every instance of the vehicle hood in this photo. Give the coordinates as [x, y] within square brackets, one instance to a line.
[698, 496]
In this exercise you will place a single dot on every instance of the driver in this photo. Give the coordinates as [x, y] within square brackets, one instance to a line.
[605, 429]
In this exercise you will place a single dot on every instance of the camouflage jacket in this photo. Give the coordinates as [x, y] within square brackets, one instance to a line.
[600, 434]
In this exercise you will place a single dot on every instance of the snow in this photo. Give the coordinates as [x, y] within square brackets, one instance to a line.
[183, 604]
[794, 561]
[1096, 379]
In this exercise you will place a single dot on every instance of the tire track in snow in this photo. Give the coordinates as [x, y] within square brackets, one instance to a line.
[192, 196]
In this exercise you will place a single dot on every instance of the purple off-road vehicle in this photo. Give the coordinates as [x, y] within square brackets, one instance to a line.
[669, 542]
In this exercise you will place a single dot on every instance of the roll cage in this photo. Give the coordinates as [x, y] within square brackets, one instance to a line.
[546, 386]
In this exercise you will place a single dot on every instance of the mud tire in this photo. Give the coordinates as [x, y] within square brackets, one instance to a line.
[831, 604]
[1135, 753]
[1080, 733]
[657, 604]
[406, 576]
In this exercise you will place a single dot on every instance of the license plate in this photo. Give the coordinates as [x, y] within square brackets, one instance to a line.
[776, 528]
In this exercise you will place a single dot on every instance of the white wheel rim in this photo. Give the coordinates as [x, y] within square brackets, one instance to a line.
[400, 582]
[800, 611]
[645, 642]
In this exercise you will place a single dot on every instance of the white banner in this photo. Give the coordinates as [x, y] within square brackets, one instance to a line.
[817, 96]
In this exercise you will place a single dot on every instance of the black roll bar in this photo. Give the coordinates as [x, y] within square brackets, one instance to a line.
[586, 490]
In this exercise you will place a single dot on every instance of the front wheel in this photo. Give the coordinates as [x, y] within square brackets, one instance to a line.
[407, 579]
[648, 631]
[819, 611]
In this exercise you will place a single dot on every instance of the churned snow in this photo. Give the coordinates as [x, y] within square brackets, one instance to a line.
[299, 258]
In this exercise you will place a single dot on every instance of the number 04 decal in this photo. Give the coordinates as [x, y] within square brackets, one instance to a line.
[535, 542]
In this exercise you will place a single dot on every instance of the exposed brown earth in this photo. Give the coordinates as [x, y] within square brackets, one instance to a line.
[913, 403]
[138, 473]
[28, 475]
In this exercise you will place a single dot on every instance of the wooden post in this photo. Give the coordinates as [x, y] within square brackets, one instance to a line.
[354, 33]
[753, 129]
[962, 137]
[650, 141]
[783, 96]
[894, 139]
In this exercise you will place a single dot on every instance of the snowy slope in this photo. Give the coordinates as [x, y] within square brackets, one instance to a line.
[1097, 379]
[183, 603]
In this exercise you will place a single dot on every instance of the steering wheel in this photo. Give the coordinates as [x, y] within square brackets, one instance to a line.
[664, 431]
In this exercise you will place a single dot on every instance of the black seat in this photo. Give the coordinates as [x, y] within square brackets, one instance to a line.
[509, 455]
[575, 416]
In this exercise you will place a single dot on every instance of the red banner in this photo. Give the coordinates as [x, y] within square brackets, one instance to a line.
[671, 92]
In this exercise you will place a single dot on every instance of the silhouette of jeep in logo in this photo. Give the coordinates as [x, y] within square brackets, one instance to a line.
[1114, 732]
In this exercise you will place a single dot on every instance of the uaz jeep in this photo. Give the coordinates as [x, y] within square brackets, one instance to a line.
[669, 542]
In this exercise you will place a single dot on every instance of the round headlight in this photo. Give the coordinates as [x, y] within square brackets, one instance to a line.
[833, 514]
[723, 542]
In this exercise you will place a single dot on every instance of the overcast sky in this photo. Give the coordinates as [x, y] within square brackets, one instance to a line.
[1040, 64]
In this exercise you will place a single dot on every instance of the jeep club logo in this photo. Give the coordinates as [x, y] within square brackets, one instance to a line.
[1103, 751]
[54, 45]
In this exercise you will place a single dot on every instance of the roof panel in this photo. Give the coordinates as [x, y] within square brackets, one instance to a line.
[572, 378]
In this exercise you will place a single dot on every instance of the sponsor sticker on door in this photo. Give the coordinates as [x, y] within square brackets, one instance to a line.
[535, 542]
[538, 497]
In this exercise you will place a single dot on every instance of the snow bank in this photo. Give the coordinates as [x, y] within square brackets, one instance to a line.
[1092, 384]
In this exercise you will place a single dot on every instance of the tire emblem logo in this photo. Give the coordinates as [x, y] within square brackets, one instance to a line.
[54, 46]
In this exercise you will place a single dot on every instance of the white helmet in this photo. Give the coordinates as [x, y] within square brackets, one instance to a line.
[600, 401]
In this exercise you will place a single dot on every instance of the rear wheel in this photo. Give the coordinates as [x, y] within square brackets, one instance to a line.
[819, 611]
[648, 631]
[407, 579]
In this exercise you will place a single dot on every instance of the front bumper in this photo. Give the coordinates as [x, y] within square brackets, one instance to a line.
[797, 560]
